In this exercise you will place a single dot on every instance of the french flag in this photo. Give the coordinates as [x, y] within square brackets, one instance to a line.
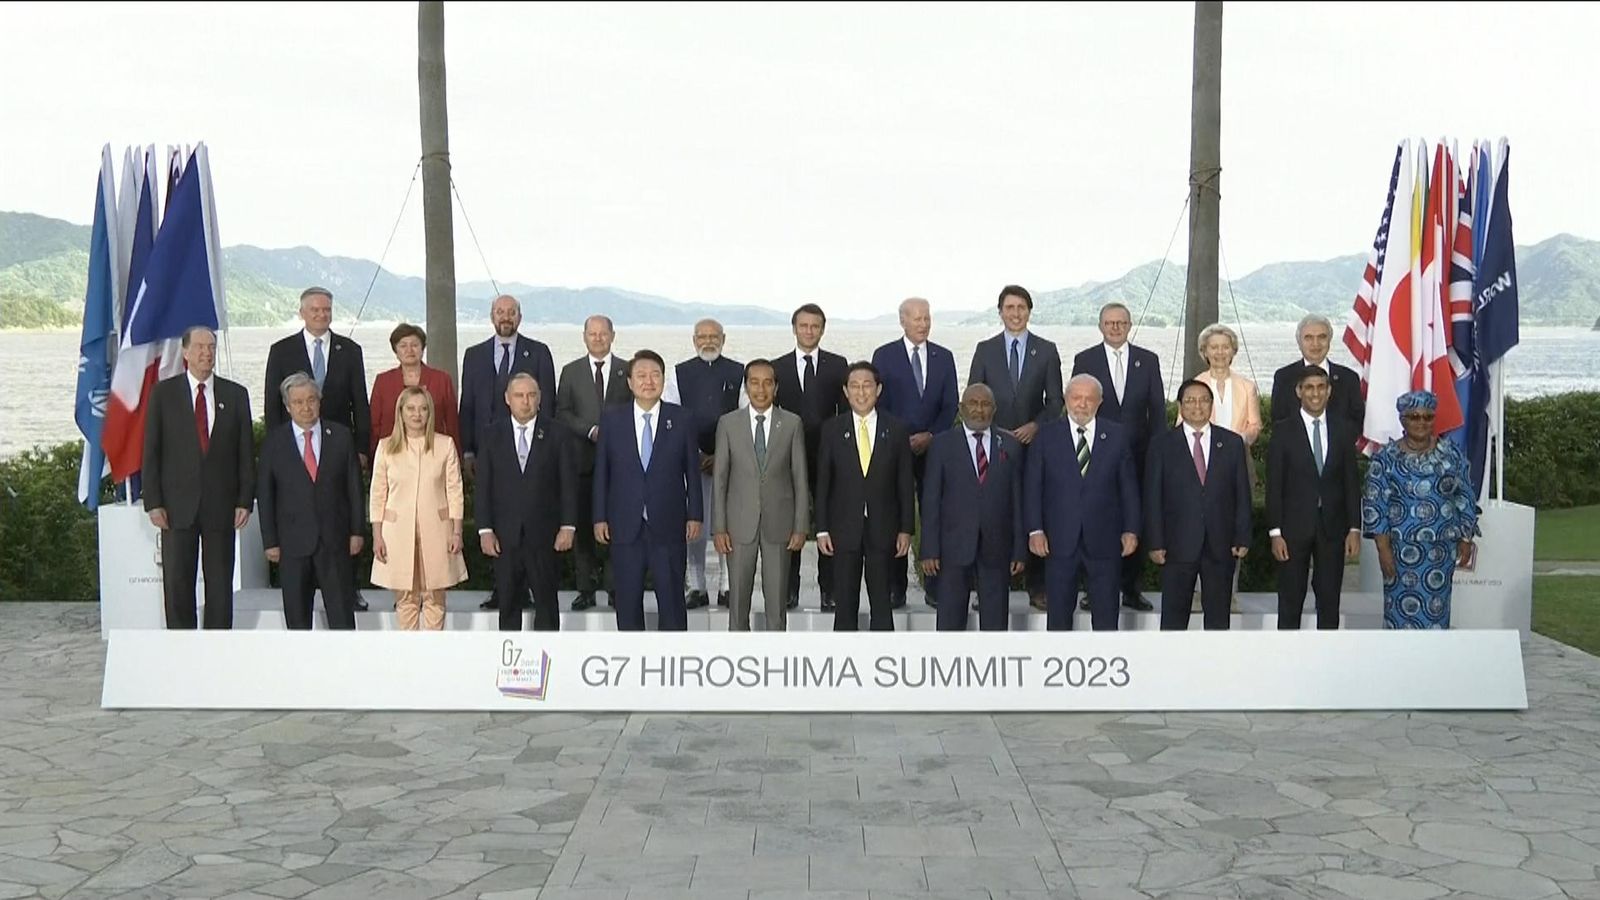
[178, 278]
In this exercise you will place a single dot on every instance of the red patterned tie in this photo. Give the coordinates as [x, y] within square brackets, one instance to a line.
[202, 419]
[311, 458]
[983, 458]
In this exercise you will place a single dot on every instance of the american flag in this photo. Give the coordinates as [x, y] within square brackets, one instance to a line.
[1358, 328]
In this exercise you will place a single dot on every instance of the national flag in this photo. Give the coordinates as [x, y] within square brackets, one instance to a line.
[1363, 315]
[177, 289]
[1495, 317]
[1381, 331]
[97, 347]
[1431, 368]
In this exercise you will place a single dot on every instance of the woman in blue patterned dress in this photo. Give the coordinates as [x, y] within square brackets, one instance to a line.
[1420, 511]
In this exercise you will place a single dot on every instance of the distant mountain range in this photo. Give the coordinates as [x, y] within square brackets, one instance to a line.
[44, 261]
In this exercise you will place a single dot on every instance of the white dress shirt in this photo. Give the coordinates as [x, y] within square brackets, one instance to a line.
[923, 348]
[316, 439]
[639, 426]
[972, 445]
[800, 363]
[311, 346]
[1221, 399]
[1111, 367]
[211, 399]
[754, 428]
[1205, 442]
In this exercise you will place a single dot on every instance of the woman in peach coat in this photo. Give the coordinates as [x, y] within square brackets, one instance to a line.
[1235, 402]
[416, 511]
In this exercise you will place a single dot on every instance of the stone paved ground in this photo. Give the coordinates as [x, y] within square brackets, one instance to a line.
[613, 807]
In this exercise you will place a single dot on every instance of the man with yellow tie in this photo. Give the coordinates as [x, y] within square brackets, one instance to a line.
[865, 500]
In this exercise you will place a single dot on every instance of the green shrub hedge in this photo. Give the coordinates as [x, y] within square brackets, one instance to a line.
[48, 542]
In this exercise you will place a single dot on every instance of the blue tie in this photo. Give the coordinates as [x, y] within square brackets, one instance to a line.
[647, 443]
[1016, 360]
[319, 363]
[916, 368]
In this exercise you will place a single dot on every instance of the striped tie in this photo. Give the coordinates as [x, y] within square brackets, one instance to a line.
[1083, 452]
[983, 458]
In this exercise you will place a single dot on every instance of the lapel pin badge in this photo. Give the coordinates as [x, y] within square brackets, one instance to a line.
[222, 406]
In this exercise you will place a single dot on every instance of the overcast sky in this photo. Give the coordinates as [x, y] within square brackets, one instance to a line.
[851, 155]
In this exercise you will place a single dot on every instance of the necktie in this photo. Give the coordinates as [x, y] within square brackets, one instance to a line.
[811, 372]
[1119, 377]
[863, 445]
[1316, 442]
[1016, 360]
[983, 458]
[1199, 458]
[761, 442]
[600, 382]
[647, 444]
[319, 363]
[1083, 451]
[202, 419]
[916, 369]
[522, 446]
[310, 456]
[505, 361]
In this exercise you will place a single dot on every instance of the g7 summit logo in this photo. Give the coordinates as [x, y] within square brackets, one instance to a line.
[520, 674]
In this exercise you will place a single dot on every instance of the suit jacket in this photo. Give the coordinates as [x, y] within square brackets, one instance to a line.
[708, 392]
[344, 389]
[624, 492]
[416, 494]
[752, 502]
[579, 409]
[822, 402]
[1344, 394]
[1181, 515]
[299, 515]
[1036, 397]
[1246, 401]
[887, 493]
[1142, 409]
[199, 490]
[964, 521]
[1301, 501]
[527, 504]
[932, 411]
[386, 390]
[483, 392]
[1096, 507]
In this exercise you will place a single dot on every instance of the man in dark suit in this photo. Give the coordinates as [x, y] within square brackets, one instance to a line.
[526, 501]
[312, 514]
[199, 480]
[1315, 337]
[589, 385]
[811, 385]
[972, 515]
[645, 465]
[919, 389]
[1131, 378]
[1196, 511]
[709, 387]
[1024, 372]
[866, 501]
[486, 369]
[1313, 502]
[1081, 506]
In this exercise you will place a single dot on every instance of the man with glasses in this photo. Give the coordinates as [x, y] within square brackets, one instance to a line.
[1131, 377]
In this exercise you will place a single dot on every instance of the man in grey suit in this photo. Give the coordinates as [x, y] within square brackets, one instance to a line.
[588, 385]
[1023, 370]
[762, 497]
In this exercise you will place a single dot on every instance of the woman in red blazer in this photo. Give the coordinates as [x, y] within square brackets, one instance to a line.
[408, 341]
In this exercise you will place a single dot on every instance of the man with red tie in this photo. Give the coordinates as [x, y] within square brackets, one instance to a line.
[199, 480]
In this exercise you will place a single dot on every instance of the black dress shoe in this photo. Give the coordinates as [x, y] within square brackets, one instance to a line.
[1040, 601]
[361, 603]
[584, 600]
[897, 600]
[491, 603]
[827, 603]
[696, 599]
[722, 598]
[1136, 602]
[931, 600]
[1084, 604]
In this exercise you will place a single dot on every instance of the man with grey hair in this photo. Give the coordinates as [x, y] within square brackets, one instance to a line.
[308, 489]
[1081, 506]
[1315, 337]
[710, 386]
[486, 370]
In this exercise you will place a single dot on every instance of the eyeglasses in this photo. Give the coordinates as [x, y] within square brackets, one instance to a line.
[1418, 417]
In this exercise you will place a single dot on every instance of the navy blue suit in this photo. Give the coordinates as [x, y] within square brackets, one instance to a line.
[934, 411]
[1083, 515]
[1197, 524]
[647, 510]
[973, 528]
[1142, 410]
[483, 390]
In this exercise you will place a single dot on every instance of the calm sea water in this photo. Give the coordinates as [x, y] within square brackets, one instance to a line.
[38, 370]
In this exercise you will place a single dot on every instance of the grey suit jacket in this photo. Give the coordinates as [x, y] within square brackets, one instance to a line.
[577, 407]
[752, 503]
[1037, 397]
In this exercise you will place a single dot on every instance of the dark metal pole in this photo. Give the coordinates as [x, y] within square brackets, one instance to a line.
[437, 222]
[1205, 177]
